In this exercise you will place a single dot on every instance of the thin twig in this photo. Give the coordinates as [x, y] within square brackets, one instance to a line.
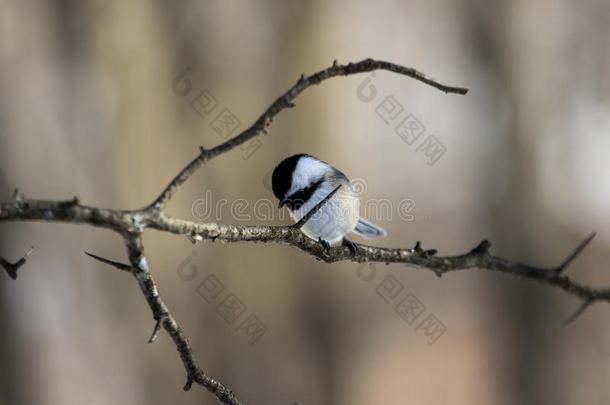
[315, 209]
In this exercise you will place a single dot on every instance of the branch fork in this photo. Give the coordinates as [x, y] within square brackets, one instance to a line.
[11, 268]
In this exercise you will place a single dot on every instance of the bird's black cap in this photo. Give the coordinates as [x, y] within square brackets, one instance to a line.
[281, 179]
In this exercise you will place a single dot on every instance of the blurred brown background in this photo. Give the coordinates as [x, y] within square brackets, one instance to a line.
[87, 108]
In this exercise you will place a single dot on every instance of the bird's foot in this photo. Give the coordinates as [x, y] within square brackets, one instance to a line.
[325, 247]
[353, 248]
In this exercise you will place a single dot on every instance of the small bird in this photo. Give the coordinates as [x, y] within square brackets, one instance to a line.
[302, 181]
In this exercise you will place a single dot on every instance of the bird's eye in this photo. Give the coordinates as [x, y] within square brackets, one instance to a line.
[297, 199]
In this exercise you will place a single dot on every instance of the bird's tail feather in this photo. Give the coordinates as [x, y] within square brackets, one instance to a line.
[368, 230]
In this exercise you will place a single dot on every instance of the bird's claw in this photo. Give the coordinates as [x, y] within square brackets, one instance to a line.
[353, 248]
[325, 247]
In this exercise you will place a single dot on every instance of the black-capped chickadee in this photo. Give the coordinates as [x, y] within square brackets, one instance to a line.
[301, 181]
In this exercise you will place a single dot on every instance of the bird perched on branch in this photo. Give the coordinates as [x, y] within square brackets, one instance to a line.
[301, 182]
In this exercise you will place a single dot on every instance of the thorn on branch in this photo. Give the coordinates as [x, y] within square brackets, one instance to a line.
[301, 79]
[335, 63]
[118, 265]
[574, 254]
[189, 384]
[11, 268]
[423, 253]
[155, 331]
[579, 311]
[18, 195]
[202, 150]
[482, 248]
[315, 209]
[69, 203]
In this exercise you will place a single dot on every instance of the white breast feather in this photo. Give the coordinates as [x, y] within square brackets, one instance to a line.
[336, 218]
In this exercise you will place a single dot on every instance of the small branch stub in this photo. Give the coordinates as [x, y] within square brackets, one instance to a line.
[155, 331]
[189, 384]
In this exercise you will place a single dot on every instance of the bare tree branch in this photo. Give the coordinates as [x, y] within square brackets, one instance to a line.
[478, 257]
[131, 223]
[161, 314]
[286, 101]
